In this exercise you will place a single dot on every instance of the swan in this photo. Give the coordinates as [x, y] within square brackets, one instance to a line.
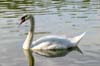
[47, 42]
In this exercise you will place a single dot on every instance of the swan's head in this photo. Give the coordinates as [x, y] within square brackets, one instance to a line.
[25, 17]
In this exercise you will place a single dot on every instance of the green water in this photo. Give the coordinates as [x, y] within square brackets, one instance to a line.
[57, 17]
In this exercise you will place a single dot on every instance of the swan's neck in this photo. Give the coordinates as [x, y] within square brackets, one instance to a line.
[29, 38]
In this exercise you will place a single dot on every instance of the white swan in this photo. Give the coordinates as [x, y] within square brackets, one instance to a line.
[47, 42]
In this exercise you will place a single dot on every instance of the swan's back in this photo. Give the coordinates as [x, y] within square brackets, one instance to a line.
[51, 42]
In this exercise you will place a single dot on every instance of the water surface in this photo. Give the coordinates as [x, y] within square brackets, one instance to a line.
[58, 17]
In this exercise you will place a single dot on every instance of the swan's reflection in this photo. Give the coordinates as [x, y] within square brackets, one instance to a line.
[29, 57]
[57, 52]
[48, 53]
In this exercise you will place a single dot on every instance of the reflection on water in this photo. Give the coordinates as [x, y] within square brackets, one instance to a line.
[56, 52]
[13, 8]
[48, 53]
[29, 57]
[69, 17]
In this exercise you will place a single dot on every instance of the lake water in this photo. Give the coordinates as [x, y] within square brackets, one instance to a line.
[57, 17]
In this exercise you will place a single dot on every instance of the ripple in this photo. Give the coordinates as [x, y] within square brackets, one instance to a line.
[66, 17]
[36, 33]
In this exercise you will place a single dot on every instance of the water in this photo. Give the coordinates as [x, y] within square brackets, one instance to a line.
[69, 17]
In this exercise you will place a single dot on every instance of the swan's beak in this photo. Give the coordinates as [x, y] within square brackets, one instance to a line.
[22, 21]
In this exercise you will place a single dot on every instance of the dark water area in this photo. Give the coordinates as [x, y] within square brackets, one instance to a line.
[57, 17]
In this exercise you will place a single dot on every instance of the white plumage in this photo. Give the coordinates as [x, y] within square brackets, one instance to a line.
[55, 42]
[48, 42]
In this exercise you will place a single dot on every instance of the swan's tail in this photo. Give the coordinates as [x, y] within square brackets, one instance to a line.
[77, 39]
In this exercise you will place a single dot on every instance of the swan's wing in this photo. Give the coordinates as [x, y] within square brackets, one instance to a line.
[51, 42]
[42, 40]
[44, 45]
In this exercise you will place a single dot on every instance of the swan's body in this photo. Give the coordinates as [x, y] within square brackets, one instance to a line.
[48, 42]
[54, 42]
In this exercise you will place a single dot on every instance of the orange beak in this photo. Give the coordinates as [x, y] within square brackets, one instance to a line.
[22, 21]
